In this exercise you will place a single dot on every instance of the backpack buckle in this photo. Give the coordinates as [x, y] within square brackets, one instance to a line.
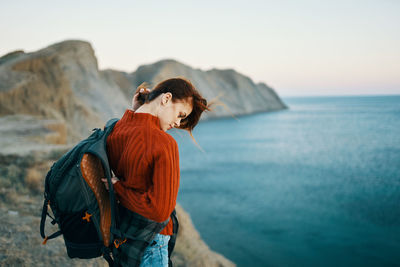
[45, 240]
[119, 242]
[87, 216]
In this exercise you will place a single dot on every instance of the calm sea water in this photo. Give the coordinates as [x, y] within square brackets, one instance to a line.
[315, 185]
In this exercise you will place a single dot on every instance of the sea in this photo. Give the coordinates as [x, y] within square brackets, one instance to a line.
[317, 184]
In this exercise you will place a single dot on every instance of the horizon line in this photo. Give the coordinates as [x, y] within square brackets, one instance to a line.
[349, 95]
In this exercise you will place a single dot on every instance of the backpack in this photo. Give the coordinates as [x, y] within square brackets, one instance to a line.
[88, 215]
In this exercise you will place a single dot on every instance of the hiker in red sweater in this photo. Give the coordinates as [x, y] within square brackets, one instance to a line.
[145, 159]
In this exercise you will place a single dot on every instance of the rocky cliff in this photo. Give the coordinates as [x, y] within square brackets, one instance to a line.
[60, 82]
[63, 82]
[238, 92]
[51, 98]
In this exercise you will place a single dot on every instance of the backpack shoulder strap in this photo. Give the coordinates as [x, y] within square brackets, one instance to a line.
[111, 123]
[171, 243]
[99, 149]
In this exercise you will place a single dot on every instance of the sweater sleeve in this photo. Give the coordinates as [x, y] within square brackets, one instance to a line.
[159, 201]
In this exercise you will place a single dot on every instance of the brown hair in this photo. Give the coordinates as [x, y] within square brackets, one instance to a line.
[183, 90]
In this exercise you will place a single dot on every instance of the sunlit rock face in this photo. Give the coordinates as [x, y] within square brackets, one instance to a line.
[238, 93]
[59, 82]
[63, 82]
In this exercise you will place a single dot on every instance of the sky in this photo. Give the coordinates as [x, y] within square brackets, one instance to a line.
[299, 48]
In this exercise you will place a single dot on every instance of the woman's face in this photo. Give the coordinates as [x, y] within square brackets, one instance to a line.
[171, 113]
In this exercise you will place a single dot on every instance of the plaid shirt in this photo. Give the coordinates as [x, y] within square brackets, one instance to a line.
[139, 232]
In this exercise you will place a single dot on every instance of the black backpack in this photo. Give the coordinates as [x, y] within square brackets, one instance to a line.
[88, 215]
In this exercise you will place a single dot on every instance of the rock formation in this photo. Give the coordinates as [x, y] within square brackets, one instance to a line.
[238, 92]
[60, 82]
[63, 82]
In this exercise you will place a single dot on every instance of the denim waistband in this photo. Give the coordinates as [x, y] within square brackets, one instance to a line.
[161, 240]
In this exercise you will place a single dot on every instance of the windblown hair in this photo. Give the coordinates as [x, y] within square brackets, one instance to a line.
[181, 90]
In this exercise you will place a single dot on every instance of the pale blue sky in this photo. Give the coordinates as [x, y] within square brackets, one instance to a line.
[297, 47]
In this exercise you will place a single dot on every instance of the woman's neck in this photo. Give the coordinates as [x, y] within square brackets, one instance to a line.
[148, 108]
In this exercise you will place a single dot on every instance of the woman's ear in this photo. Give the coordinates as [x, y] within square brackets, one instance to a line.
[167, 97]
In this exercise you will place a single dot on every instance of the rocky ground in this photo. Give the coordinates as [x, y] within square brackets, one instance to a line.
[21, 243]
[21, 199]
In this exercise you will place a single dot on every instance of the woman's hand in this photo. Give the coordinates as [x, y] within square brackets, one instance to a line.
[113, 180]
[135, 102]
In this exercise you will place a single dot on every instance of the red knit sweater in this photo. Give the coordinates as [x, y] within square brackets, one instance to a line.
[146, 160]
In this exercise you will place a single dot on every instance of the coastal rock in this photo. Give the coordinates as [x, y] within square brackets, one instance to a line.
[190, 249]
[25, 134]
[63, 82]
[238, 93]
[60, 82]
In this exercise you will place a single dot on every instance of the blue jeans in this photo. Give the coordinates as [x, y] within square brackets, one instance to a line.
[156, 254]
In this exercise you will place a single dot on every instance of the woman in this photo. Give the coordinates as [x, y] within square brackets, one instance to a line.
[146, 159]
